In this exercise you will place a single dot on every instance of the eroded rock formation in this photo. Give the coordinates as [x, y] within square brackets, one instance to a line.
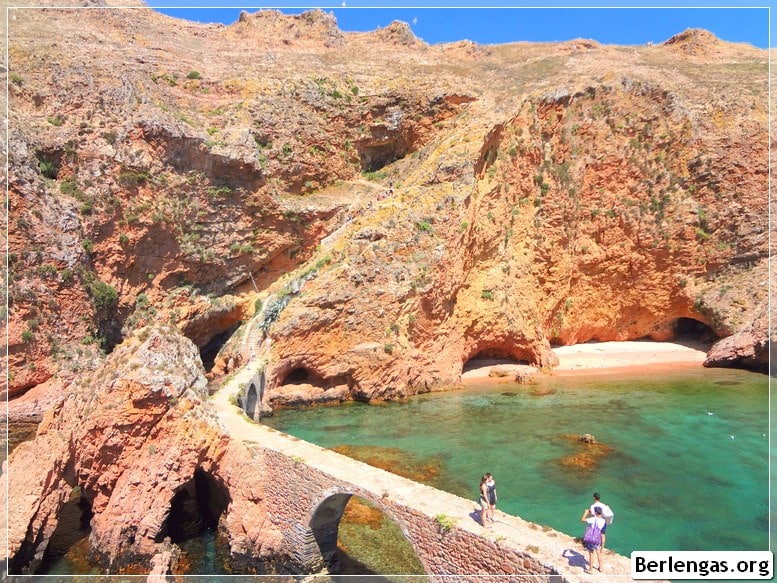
[130, 438]
[363, 213]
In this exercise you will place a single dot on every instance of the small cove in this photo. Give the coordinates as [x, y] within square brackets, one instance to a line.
[684, 463]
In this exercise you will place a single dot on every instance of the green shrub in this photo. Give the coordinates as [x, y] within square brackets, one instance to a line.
[123, 239]
[27, 335]
[47, 270]
[88, 245]
[487, 294]
[219, 190]
[258, 305]
[17, 79]
[374, 176]
[48, 169]
[423, 226]
[56, 120]
[104, 295]
[445, 522]
[132, 178]
[194, 75]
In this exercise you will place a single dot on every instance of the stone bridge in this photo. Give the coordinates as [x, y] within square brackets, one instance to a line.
[309, 487]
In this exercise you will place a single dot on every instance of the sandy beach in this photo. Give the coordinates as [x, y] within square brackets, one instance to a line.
[598, 358]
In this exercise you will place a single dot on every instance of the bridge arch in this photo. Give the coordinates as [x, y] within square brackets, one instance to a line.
[251, 399]
[251, 396]
[324, 523]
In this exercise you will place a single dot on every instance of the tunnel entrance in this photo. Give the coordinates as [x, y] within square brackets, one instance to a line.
[690, 330]
[251, 400]
[195, 508]
[210, 350]
[352, 535]
[70, 535]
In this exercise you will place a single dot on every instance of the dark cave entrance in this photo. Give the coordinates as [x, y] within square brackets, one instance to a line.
[303, 376]
[492, 356]
[195, 508]
[373, 158]
[251, 399]
[210, 350]
[690, 330]
[297, 376]
[72, 531]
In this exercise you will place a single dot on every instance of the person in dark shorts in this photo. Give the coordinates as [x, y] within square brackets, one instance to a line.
[607, 514]
[596, 521]
[490, 496]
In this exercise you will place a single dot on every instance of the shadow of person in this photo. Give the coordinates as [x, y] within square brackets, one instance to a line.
[475, 515]
[574, 558]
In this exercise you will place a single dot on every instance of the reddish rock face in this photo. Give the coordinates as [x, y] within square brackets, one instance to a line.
[452, 200]
[397, 209]
[129, 438]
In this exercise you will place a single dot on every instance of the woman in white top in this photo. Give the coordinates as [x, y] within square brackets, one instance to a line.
[598, 522]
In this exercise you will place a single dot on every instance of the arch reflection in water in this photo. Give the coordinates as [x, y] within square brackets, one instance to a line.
[357, 538]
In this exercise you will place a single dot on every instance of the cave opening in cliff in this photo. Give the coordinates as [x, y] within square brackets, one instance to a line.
[70, 538]
[490, 357]
[195, 508]
[352, 533]
[298, 375]
[374, 157]
[210, 350]
[690, 330]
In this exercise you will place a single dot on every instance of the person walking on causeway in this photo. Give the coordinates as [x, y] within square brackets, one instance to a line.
[607, 514]
[490, 496]
[592, 539]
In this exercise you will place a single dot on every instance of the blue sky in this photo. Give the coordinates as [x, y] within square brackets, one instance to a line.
[637, 24]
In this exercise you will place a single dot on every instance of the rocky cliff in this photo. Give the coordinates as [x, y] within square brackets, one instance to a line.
[137, 446]
[363, 212]
[540, 194]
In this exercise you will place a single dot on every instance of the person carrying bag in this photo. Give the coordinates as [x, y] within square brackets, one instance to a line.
[592, 538]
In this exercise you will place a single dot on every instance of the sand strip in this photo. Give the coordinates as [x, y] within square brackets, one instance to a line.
[599, 358]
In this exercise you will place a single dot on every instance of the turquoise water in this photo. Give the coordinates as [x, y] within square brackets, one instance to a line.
[675, 477]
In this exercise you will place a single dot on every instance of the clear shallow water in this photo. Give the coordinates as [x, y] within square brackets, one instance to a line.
[675, 477]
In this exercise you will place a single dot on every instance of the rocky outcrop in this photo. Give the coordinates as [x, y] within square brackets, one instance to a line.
[533, 198]
[593, 215]
[748, 348]
[130, 438]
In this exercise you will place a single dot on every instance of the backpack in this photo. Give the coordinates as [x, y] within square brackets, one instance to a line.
[593, 534]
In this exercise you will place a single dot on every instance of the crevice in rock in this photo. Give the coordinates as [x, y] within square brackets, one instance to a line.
[302, 375]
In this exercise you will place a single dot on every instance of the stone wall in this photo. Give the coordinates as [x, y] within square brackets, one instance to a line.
[306, 488]
[307, 504]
